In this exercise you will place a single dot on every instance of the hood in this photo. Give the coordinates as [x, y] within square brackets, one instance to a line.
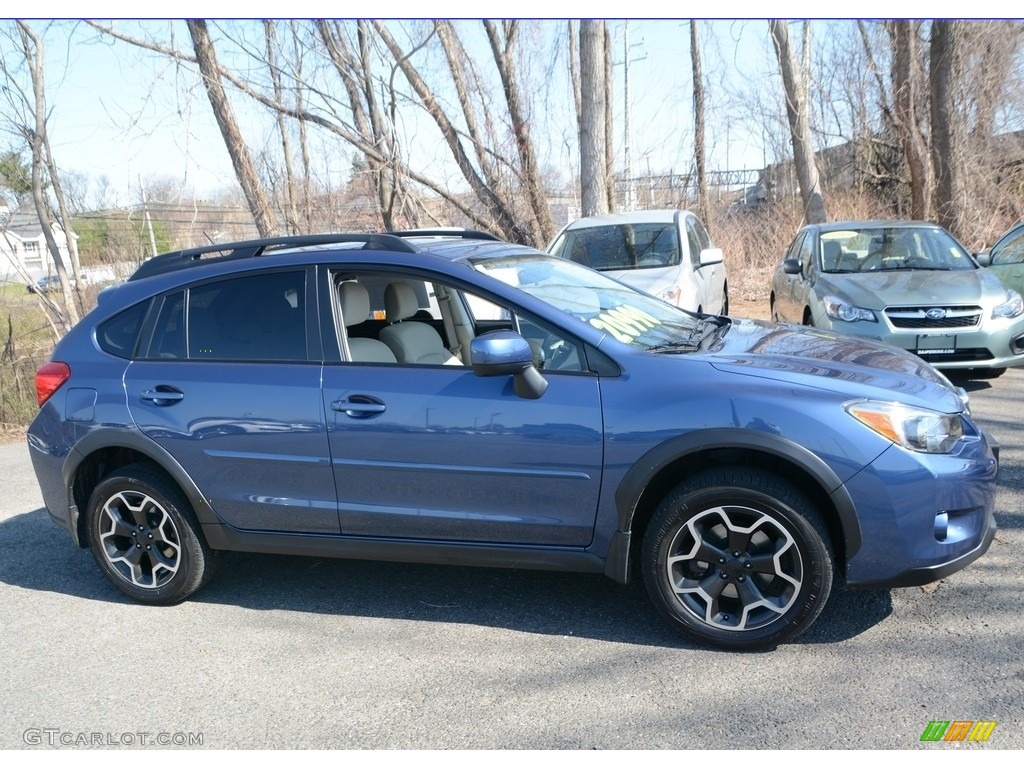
[914, 287]
[652, 280]
[849, 365]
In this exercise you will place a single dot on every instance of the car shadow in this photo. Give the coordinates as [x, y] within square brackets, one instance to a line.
[968, 383]
[39, 556]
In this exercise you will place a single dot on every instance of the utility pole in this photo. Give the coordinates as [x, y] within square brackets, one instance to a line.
[630, 182]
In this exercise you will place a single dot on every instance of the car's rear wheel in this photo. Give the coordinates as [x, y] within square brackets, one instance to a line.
[737, 558]
[145, 536]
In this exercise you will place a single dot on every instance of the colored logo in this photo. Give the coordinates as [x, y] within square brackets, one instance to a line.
[958, 730]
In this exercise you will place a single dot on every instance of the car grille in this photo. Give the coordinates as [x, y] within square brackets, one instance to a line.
[918, 317]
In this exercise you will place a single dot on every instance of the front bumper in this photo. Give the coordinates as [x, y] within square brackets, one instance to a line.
[995, 344]
[923, 516]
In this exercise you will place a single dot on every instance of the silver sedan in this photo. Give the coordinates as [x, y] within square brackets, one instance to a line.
[911, 284]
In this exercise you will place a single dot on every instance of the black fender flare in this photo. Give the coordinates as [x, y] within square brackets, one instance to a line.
[102, 439]
[639, 476]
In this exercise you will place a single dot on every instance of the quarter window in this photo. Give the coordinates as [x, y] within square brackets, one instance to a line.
[119, 335]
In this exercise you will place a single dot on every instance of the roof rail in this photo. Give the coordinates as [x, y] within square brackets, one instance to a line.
[466, 234]
[247, 249]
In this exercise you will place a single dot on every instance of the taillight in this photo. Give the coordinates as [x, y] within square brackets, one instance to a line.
[49, 378]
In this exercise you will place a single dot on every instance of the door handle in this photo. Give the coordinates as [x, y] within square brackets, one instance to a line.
[359, 406]
[163, 395]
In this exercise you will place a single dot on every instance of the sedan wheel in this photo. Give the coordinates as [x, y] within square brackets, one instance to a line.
[737, 558]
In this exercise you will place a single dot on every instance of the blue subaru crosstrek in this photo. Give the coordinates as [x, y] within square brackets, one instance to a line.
[451, 398]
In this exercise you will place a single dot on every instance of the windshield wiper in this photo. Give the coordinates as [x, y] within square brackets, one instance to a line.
[706, 327]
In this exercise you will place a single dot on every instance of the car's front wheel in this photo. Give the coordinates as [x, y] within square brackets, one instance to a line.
[987, 373]
[737, 558]
[145, 536]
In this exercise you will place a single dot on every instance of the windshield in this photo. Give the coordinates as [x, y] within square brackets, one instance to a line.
[874, 249]
[641, 245]
[624, 313]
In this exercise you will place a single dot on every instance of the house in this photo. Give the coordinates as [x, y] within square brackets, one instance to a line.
[23, 248]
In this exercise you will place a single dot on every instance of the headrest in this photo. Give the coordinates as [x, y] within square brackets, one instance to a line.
[355, 303]
[400, 302]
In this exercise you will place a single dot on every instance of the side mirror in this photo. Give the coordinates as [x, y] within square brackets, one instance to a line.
[984, 258]
[711, 256]
[505, 353]
[792, 267]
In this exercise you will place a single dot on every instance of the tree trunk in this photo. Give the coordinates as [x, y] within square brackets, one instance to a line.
[307, 191]
[543, 229]
[945, 144]
[286, 152]
[609, 123]
[32, 47]
[255, 195]
[504, 219]
[593, 113]
[698, 125]
[799, 125]
[905, 84]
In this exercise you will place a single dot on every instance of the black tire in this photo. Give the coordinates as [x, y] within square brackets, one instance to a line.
[774, 312]
[737, 558]
[987, 373]
[145, 536]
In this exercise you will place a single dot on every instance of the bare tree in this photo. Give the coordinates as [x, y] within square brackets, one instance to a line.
[609, 123]
[291, 208]
[907, 82]
[332, 122]
[28, 113]
[945, 135]
[543, 228]
[499, 209]
[799, 124]
[698, 124]
[307, 174]
[241, 159]
[593, 113]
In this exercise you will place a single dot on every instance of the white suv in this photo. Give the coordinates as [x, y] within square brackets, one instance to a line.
[666, 253]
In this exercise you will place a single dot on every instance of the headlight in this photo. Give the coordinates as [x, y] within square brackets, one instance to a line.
[839, 310]
[1012, 307]
[917, 429]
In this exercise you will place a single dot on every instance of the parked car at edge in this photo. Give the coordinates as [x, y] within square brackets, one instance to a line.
[47, 284]
[666, 253]
[457, 399]
[911, 284]
[1006, 258]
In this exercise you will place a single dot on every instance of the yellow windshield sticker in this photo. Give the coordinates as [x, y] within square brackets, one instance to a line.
[625, 323]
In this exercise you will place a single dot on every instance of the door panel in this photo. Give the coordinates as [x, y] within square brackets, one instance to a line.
[253, 440]
[457, 457]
